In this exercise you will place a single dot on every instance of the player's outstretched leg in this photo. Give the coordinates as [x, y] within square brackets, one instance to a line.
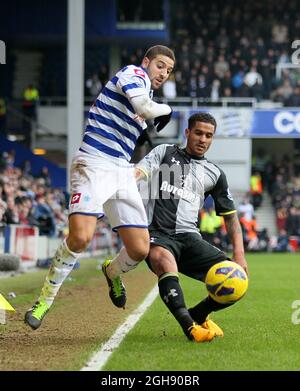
[62, 264]
[35, 315]
[172, 295]
[213, 327]
[117, 292]
[201, 311]
[198, 333]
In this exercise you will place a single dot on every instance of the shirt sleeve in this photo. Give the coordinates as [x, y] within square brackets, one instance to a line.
[151, 162]
[223, 199]
[134, 81]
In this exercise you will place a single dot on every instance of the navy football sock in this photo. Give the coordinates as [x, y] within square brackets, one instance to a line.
[172, 295]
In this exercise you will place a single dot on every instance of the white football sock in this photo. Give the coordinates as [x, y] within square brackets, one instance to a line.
[62, 264]
[122, 263]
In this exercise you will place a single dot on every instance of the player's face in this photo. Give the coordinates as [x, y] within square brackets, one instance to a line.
[199, 138]
[158, 69]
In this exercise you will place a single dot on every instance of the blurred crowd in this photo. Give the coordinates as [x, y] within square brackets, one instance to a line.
[29, 200]
[278, 177]
[213, 229]
[283, 181]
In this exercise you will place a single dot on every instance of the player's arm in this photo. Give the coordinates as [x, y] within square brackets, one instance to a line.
[234, 231]
[147, 108]
[133, 83]
[150, 163]
[225, 207]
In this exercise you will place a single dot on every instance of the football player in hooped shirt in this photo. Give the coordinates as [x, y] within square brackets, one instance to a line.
[102, 179]
[180, 180]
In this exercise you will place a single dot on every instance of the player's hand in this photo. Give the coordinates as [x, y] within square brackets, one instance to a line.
[241, 260]
[161, 121]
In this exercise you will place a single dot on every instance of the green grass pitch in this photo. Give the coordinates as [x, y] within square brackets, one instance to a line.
[259, 332]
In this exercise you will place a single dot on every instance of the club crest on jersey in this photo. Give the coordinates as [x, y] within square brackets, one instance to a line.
[139, 72]
[75, 198]
[229, 196]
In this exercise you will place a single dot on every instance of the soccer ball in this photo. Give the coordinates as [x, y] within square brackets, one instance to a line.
[226, 282]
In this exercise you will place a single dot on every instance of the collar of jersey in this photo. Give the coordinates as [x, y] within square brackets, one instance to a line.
[192, 156]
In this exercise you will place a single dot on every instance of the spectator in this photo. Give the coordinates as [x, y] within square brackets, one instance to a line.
[221, 67]
[260, 162]
[3, 207]
[237, 81]
[282, 242]
[210, 224]
[256, 189]
[294, 99]
[215, 90]
[11, 215]
[169, 88]
[253, 77]
[246, 209]
[27, 168]
[279, 34]
[286, 90]
[250, 233]
[293, 221]
[30, 102]
[263, 240]
[44, 174]
[2, 117]
[103, 73]
[43, 214]
[281, 217]
[3, 162]
[93, 85]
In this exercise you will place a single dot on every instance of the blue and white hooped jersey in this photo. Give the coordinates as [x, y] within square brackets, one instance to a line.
[113, 126]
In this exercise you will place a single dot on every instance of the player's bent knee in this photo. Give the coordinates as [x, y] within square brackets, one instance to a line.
[138, 251]
[137, 243]
[78, 243]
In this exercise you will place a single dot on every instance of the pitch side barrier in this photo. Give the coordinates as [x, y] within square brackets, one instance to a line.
[25, 242]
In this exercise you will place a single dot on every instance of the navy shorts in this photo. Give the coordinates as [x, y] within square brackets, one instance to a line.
[194, 256]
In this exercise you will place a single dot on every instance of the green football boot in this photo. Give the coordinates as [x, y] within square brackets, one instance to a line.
[117, 292]
[35, 315]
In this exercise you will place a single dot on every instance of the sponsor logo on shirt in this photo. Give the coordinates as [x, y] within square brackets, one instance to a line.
[75, 198]
[181, 193]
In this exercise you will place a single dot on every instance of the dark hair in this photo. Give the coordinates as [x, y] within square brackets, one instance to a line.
[201, 117]
[159, 49]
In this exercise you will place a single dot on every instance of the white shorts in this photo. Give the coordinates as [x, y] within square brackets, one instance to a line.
[100, 186]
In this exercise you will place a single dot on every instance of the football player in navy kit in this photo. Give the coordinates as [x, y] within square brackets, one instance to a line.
[180, 180]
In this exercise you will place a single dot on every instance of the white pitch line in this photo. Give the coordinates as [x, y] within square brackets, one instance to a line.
[99, 359]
